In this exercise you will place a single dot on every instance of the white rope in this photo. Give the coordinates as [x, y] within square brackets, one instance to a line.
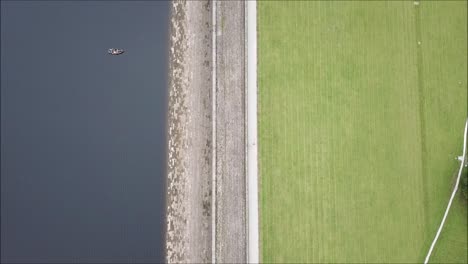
[451, 198]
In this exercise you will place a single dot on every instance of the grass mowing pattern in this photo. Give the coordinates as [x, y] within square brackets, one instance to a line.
[342, 156]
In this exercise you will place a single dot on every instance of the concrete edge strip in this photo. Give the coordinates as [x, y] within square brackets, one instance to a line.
[451, 198]
[252, 151]
[213, 139]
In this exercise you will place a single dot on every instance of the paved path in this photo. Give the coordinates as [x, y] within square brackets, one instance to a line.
[252, 146]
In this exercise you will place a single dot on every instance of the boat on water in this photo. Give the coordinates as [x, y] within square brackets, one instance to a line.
[115, 51]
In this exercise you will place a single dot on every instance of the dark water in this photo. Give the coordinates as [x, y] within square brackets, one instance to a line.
[82, 132]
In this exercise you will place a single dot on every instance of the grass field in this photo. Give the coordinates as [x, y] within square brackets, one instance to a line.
[361, 113]
[444, 75]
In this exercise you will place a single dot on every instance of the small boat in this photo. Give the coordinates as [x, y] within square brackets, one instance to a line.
[115, 51]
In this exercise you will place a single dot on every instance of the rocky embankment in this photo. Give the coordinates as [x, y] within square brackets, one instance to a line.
[188, 234]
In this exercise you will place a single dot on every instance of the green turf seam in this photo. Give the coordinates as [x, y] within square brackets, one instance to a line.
[422, 117]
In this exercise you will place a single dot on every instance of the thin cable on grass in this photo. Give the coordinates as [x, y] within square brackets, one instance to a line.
[451, 197]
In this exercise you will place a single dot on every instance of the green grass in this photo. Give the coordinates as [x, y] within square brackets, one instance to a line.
[358, 129]
[444, 69]
[452, 244]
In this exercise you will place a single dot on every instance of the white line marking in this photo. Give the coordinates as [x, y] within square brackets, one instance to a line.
[252, 151]
[451, 198]
[246, 123]
[213, 139]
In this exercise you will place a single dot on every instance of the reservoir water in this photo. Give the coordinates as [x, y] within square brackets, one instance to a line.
[83, 133]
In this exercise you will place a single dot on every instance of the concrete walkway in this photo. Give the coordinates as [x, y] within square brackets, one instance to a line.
[252, 146]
